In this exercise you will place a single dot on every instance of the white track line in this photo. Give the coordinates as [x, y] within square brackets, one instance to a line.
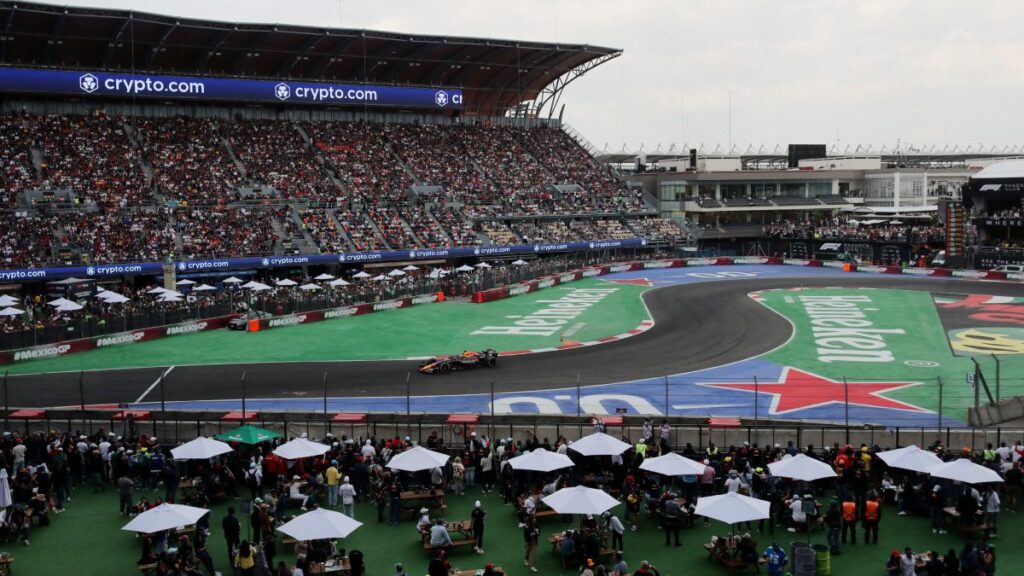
[153, 385]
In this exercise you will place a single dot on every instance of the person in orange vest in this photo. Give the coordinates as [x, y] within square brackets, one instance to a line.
[872, 517]
[849, 520]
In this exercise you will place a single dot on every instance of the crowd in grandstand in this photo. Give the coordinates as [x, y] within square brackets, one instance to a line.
[845, 229]
[354, 185]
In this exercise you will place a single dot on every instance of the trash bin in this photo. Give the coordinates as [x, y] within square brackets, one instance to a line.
[803, 559]
[823, 560]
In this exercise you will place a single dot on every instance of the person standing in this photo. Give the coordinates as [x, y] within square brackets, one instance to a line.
[617, 529]
[992, 512]
[478, 526]
[232, 529]
[531, 534]
[348, 498]
[124, 490]
[833, 525]
[395, 492]
[872, 518]
[849, 520]
[333, 475]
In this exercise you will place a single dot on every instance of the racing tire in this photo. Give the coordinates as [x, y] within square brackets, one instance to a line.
[445, 368]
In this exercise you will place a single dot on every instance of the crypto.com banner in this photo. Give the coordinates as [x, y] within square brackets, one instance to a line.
[27, 80]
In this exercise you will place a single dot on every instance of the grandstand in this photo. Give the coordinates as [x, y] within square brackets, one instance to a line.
[456, 146]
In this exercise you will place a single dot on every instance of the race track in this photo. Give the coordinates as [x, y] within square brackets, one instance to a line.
[698, 326]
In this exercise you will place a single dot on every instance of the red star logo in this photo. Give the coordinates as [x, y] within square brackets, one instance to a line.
[799, 390]
[633, 282]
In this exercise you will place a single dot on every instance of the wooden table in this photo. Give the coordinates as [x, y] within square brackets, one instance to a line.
[342, 567]
[5, 563]
[424, 498]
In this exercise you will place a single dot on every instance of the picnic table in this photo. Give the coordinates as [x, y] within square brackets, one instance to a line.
[728, 555]
[331, 567]
[416, 499]
[460, 531]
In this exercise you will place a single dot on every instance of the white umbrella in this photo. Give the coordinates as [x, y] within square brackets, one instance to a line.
[464, 268]
[599, 444]
[324, 276]
[801, 467]
[410, 268]
[170, 298]
[310, 287]
[256, 286]
[396, 272]
[286, 282]
[436, 273]
[59, 302]
[416, 459]
[300, 448]
[910, 458]
[203, 288]
[158, 290]
[672, 464]
[8, 300]
[185, 282]
[5, 489]
[963, 470]
[379, 278]
[483, 265]
[200, 449]
[114, 298]
[732, 508]
[361, 274]
[320, 524]
[338, 282]
[68, 307]
[541, 460]
[165, 517]
[232, 280]
[11, 312]
[580, 500]
[519, 262]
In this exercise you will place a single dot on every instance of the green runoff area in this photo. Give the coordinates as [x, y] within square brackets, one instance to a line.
[87, 540]
[912, 346]
[418, 331]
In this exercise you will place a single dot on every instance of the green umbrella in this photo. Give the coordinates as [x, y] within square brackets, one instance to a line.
[248, 435]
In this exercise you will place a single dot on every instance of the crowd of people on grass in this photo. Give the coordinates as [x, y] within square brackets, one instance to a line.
[45, 467]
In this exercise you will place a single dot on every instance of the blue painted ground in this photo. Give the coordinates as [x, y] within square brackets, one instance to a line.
[687, 394]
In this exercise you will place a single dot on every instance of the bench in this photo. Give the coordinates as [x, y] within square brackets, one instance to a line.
[146, 569]
[428, 548]
[544, 513]
[289, 541]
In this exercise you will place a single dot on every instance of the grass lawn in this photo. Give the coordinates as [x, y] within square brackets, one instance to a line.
[87, 540]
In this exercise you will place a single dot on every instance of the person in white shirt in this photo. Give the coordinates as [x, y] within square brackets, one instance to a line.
[799, 517]
[368, 450]
[348, 498]
[733, 482]
[992, 503]
[424, 523]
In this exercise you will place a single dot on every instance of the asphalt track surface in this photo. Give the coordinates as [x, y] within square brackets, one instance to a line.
[697, 326]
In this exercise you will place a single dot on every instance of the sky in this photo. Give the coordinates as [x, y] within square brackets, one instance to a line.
[867, 72]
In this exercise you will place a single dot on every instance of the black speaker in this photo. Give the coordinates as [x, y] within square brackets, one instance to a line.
[693, 159]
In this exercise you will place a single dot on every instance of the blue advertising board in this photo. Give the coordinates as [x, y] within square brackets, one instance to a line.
[95, 83]
[219, 264]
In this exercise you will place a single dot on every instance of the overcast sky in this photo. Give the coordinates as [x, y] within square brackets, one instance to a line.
[861, 72]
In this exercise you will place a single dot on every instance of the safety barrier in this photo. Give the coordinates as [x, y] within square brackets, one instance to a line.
[116, 339]
[342, 312]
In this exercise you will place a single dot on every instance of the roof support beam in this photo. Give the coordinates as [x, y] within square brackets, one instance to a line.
[288, 62]
[321, 65]
[7, 32]
[108, 54]
[156, 48]
[54, 37]
[259, 39]
[204, 56]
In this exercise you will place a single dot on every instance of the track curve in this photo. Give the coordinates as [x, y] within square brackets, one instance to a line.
[697, 326]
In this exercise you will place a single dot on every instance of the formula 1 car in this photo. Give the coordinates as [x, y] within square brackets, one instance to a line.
[443, 365]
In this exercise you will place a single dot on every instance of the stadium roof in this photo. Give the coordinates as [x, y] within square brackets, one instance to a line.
[1005, 170]
[495, 75]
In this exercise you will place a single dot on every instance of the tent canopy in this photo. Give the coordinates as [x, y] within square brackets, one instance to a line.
[248, 435]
